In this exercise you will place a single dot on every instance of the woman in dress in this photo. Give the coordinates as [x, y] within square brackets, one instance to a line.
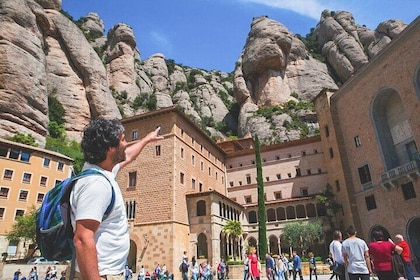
[253, 262]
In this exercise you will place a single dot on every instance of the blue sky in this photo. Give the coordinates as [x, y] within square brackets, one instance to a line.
[210, 34]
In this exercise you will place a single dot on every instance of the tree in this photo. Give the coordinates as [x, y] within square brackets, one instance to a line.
[233, 228]
[26, 139]
[326, 198]
[262, 218]
[302, 235]
[24, 228]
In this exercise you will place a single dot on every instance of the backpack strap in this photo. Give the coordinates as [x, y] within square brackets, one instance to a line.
[92, 171]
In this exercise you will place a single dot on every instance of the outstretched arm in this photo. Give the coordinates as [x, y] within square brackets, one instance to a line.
[134, 150]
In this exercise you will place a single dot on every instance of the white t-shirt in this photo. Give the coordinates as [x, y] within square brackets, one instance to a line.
[89, 199]
[355, 249]
[335, 249]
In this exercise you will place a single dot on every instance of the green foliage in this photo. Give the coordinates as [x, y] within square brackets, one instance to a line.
[24, 228]
[181, 86]
[312, 45]
[26, 139]
[146, 101]
[302, 236]
[100, 50]
[66, 14]
[262, 216]
[56, 130]
[327, 199]
[233, 228]
[170, 64]
[69, 148]
[55, 109]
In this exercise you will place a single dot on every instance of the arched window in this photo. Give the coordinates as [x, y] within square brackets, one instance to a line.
[393, 131]
[252, 217]
[290, 211]
[281, 214]
[271, 215]
[202, 246]
[201, 208]
[310, 210]
[220, 209]
[252, 242]
[300, 211]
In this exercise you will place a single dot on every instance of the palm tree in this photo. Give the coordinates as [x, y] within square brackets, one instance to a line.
[234, 229]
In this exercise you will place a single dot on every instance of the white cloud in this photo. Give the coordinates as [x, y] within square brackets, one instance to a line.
[162, 42]
[308, 8]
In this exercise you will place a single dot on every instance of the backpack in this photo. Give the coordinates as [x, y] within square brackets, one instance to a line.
[54, 232]
[184, 267]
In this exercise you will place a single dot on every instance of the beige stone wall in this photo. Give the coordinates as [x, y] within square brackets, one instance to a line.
[394, 69]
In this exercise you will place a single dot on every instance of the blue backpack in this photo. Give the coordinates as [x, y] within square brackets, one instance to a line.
[54, 232]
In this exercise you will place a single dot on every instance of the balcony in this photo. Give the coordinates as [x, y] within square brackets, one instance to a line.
[410, 170]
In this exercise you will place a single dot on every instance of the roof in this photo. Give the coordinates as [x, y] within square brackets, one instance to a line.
[32, 148]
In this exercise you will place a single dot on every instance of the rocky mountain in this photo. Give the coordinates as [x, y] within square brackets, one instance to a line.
[45, 54]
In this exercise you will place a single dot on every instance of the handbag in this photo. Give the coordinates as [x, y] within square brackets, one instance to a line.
[337, 268]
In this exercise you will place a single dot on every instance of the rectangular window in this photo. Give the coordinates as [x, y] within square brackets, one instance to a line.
[231, 184]
[181, 178]
[3, 152]
[134, 135]
[240, 183]
[308, 172]
[411, 149]
[298, 173]
[8, 174]
[315, 151]
[43, 181]
[319, 170]
[25, 156]
[248, 179]
[289, 175]
[4, 192]
[303, 153]
[132, 179]
[19, 213]
[278, 176]
[192, 160]
[157, 150]
[23, 195]
[304, 192]
[26, 178]
[40, 197]
[327, 131]
[2, 210]
[192, 142]
[408, 191]
[60, 166]
[46, 162]
[267, 179]
[14, 154]
[277, 195]
[202, 166]
[370, 202]
[200, 187]
[357, 142]
[216, 175]
[57, 182]
[364, 174]
[331, 152]
[337, 185]
[209, 171]
[248, 199]
[193, 184]
[182, 152]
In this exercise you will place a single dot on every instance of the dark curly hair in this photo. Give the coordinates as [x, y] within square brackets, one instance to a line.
[98, 136]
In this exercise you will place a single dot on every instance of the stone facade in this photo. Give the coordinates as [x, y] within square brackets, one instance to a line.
[372, 126]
